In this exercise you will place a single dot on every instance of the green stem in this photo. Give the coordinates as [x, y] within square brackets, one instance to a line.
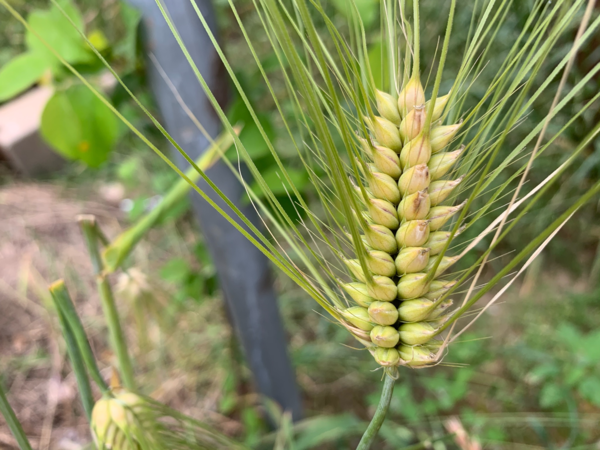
[66, 310]
[12, 422]
[377, 420]
[117, 337]
[115, 253]
[78, 364]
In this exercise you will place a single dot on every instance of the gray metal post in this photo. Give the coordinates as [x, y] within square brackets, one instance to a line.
[243, 271]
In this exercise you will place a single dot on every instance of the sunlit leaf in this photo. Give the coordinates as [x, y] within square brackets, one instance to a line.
[20, 73]
[79, 126]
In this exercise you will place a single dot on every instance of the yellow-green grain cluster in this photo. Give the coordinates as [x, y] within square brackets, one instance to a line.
[398, 308]
[114, 423]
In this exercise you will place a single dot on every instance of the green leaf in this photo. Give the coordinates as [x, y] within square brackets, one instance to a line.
[551, 395]
[79, 126]
[590, 390]
[569, 335]
[590, 347]
[58, 32]
[543, 372]
[20, 73]
[574, 375]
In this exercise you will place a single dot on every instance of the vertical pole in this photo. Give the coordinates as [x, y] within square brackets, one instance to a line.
[243, 271]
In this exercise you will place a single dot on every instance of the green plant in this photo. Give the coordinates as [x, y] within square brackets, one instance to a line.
[340, 117]
[74, 122]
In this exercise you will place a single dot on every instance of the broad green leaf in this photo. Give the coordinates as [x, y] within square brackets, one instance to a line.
[20, 73]
[58, 32]
[79, 126]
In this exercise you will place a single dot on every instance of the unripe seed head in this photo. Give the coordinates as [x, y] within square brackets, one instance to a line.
[383, 213]
[441, 136]
[381, 238]
[411, 260]
[414, 206]
[386, 357]
[413, 123]
[413, 233]
[387, 106]
[386, 161]
[385, 336]
[416, 310]
[411, 95]
[414, 179]
[382, 288]
[355, 269]
[416, 356]
[415, 152]
[416, 333]
[437, 241]
[440, 190]
[381, 263]
[384, 187]
[445, 264]
[386, 133]
[439, 215]
[383, 313]
[113, 421]
[440, 104]
[359, 317]
[438, 288]
[440, 164]
[359, 293]
[412, 285]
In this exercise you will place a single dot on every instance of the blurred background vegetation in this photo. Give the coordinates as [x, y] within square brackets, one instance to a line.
[527, 375]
